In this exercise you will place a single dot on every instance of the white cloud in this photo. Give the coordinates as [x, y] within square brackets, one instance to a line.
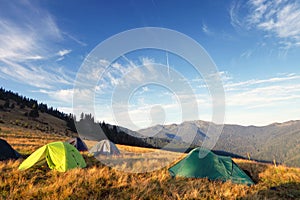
[218, 76]
[15, 44]
[247, 53]
[64, 52]
[234, 14]
[62, 96]
[147, 61]
[282, 19]
[276, 18]
[75, 39]
[244, 101]
[263, 93]
[238, 85]
[265, 101]
[248, 97]
[34, 76]
[27, 38]
[65, 109]
[124, 74]
[145, 89]
[206, 30]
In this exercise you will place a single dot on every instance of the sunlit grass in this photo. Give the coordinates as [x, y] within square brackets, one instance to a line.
[99, 181]
[26, 141]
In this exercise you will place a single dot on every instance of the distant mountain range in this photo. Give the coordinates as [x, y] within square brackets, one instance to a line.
[279, 141]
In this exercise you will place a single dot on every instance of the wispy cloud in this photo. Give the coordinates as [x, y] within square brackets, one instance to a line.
[256, 97]
[247, 53]
[64, 52]
[255, 101]
[64, 96]
[206, 30]
[263, 96]
[17, 45]
[125, 73]
[270, 92]
[27, 44]
[238, 85]
[250, 97]
[34, 76]
[74, 39]
[279, 19]
[234, 14]
[25, 36]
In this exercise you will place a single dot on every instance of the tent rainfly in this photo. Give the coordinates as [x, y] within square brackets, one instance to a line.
[78, 144]
[210, 166]
[7, 152]
[60, 156]
[104, 147]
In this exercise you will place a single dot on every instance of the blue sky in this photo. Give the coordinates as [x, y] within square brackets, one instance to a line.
[255, 45]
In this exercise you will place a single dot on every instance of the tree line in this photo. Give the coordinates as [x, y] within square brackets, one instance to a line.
[86, 126]
[13, 99]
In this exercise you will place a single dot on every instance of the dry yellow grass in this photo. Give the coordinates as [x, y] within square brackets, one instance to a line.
[138, 159]
[26, 141]
[98, 181]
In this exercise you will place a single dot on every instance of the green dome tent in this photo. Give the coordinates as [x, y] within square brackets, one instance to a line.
[61, 156]
[210, 166]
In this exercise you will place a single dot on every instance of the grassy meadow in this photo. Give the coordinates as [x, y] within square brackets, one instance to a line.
[98, 181]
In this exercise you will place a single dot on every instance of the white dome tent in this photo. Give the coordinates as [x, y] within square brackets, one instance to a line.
[104, 147]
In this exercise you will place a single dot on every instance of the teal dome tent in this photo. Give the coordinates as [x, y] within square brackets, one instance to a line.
[211, 166]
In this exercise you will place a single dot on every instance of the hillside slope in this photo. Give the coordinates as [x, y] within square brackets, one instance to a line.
[45, 122]
[279, 141]
[17, 110]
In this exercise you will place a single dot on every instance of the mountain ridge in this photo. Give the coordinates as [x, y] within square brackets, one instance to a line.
[279, 142]
[276, 141]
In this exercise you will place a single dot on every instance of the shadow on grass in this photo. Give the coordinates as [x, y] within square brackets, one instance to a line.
[91, 161]
[283, 191]
[253, 169]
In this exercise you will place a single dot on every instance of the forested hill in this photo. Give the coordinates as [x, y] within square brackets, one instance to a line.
[19, 110]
